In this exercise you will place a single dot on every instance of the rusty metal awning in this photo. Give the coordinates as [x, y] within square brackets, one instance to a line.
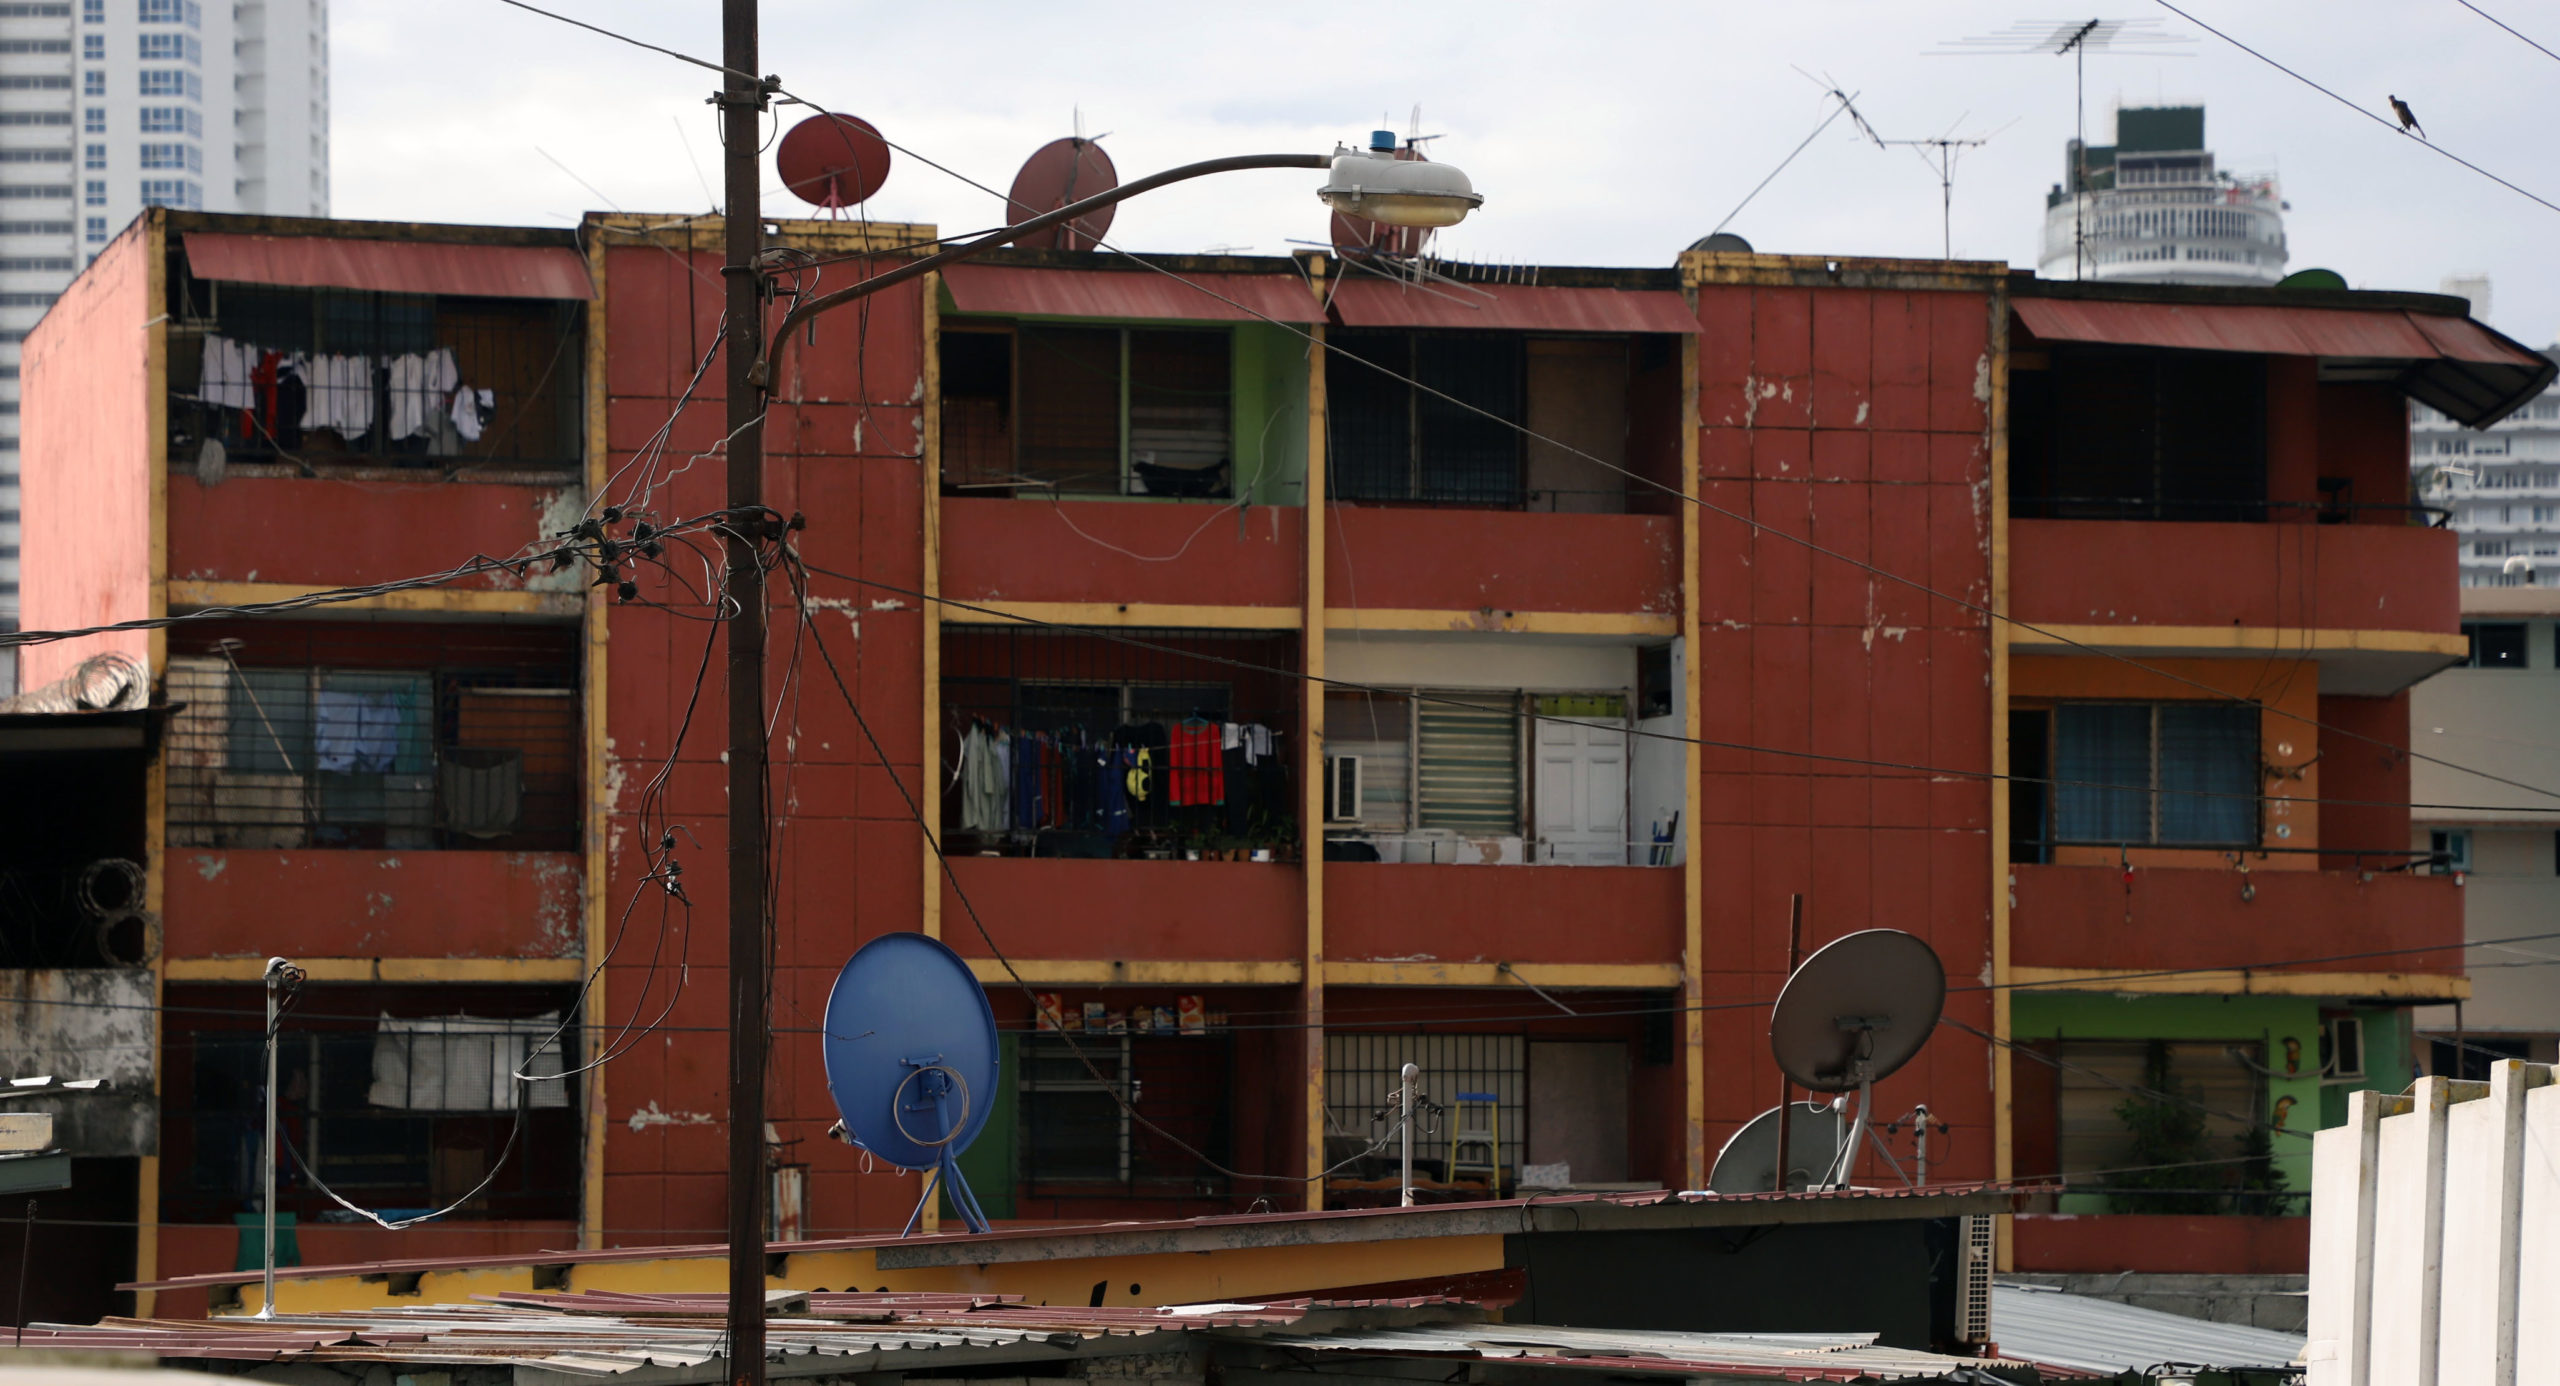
[1511, 307]
[2450, 363]
[1028, 292]
[391, 267]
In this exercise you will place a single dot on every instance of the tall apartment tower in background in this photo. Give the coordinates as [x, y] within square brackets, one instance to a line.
[2153, 208]
[2502, 484]
[110, 106]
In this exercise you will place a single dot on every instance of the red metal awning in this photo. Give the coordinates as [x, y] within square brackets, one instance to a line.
[1369, 302]
[1028, 292]
[2451, 363]
[391, 267]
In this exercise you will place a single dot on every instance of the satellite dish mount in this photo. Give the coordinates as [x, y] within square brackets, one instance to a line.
[912, 1062]
[1854, 1012]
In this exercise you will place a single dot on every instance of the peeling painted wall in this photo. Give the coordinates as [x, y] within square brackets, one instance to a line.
[85, 1022]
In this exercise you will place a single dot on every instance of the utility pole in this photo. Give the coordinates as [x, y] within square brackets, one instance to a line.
[742, 103]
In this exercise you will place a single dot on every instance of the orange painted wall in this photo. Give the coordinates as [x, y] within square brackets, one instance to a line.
[224, 902]
[2290, 688]
[2290, 574]
[1501, 560]
[1554, 914]
[1106, 551]
[1855, 419]
[1054, 908]
[334, 532]
[2178, 917]
[86, 457]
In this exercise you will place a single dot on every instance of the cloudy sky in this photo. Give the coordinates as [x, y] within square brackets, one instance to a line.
[1609, 134]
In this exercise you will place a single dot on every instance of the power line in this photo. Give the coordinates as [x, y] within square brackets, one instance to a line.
[2392, 126]
[1755, 524]
[2484, 14]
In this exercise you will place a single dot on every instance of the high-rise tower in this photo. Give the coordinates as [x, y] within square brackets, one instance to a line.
[2153, 208]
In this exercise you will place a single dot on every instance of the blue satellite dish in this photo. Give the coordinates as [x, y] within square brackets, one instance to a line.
[911, 1059]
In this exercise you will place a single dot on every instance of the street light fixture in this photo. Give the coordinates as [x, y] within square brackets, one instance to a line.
[1375, 184]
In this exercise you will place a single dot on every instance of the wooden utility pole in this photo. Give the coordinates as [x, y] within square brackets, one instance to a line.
[742, 103]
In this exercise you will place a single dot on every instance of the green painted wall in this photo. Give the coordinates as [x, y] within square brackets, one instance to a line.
[2271, 1020]
[988, 1162]
[1270, 417]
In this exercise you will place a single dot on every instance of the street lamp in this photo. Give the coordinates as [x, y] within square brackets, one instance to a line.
[1371, 183]
[1375, 184]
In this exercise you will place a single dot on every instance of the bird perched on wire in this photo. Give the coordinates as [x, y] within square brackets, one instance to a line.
[2408, 118]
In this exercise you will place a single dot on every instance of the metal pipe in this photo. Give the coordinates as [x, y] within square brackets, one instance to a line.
[763, 371]
[742, 101]
[1404, 1119]
[1786, 1090]
[1920, 1125]
[276, 968]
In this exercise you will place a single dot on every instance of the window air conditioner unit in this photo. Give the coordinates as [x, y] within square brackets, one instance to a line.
[1342, 789]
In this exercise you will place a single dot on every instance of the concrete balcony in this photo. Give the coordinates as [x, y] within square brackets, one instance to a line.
[2103, 918]
[1400, 919]
[1116, 552]
[1132, 914]
[348, 531]
[1412, 558]
[226, 902]
[2376, 604]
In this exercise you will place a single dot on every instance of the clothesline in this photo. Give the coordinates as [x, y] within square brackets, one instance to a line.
[285, 393]
[1135, 777]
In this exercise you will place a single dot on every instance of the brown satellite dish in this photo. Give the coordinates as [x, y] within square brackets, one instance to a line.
[833, 161]
[1361, 236]
[1059, 173]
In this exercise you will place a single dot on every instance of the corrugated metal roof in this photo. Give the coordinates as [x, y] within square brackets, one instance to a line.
[397, 267]
[2051, 1328]
[1031, 292]
[1515, 307]
[1049, 1241]
[561, 1337]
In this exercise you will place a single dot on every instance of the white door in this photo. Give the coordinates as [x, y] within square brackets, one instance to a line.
[1582, 791]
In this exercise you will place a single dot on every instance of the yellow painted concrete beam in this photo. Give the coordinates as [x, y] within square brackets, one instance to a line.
[2406, 986]
[1113, 972]
[192, 595]
[2044, 638]
[1636, 976]
[382, 969]
[1633, 624]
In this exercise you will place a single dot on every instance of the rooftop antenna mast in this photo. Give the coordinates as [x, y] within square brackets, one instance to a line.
[2074, 39]
[1944, 165]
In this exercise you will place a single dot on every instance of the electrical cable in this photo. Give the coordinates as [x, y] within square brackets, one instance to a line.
[2519, 33]
[2392, 126]
[1755, 524]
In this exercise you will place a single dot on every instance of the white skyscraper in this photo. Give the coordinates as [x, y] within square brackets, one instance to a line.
[109, 106]
[2156, 207]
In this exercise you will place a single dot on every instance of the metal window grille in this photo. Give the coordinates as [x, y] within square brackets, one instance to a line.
[415, 380]
[1060, 410]
[1071, 695]
[2156, 774]
[1361, 1072]
[449, 744]
[1078, 1136]
[2115, 434]
[1389, 441]
[2214, 1089]
[391, 1113]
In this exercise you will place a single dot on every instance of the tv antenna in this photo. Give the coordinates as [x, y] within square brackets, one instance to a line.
[2074, 39]
[911, 1061]
[1946, 146]
[1858, 1009]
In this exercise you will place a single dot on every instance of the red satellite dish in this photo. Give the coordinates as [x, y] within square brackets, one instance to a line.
[833, 161]
[1059, 173]
[1361, 236]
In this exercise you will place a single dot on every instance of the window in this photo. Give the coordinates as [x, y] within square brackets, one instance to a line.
[2157, 435]
[97, 230]
[172, 120]
[476, 744]
[2449, 850]
[1390, 441]
[171, 81]
[93, 83]
[186, 156]
[2172, 774]
[93, 47]
[35, 117]
[93, 156]
[93, 11]
[1467, 763]
[171, 48]
[1090, 411]
[2157, 1126]
[410, 1109]
[171, 192]
[93, 121]
[1076, 1093]
[2496, 644]
[1363, 1071]
[186, 12]
[94, 193]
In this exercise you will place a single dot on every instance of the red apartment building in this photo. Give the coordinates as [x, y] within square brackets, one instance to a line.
[1575, 745]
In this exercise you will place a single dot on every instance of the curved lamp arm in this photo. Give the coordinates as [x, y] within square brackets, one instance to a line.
[762, 373]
